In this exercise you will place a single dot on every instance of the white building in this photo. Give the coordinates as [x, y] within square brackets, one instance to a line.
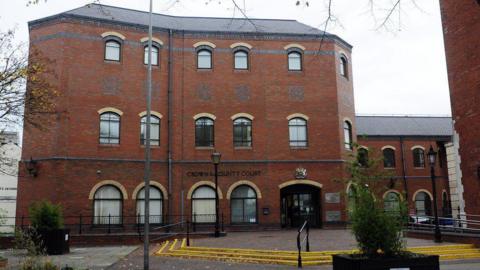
[10, 153]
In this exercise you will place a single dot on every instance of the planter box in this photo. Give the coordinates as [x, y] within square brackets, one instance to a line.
[3, 263]
[347, 262]
[55, 242]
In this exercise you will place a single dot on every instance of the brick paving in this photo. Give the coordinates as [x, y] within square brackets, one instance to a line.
[276, 240]
[286, 240]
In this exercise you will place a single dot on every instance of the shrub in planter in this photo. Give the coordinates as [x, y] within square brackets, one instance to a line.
[379, 233]
[3, 262]
[47, 220]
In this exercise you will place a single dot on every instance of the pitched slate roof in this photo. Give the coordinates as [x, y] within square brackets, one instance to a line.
[404, 126]
[194, 24]
[208, 24]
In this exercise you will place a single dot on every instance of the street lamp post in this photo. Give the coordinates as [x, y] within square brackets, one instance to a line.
[432, 156]
[216, 160]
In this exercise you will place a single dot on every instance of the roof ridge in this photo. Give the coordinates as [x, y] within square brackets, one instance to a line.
[193, 17]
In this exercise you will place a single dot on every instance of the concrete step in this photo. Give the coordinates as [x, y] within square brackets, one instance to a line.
[179, 249]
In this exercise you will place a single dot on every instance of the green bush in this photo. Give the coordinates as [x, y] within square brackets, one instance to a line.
[377, 232]
[46, 216]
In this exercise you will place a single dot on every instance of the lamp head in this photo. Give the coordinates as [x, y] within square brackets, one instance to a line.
[216, 156]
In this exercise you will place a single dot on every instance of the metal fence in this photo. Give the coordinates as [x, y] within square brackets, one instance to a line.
[110, 224]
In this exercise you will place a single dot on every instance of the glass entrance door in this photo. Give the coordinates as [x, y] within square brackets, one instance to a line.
[300, 206]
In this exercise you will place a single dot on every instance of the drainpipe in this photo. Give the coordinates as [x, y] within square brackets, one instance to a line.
[169, 123]
[402, 151]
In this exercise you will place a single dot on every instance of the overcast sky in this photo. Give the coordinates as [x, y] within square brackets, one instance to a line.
[401, 70]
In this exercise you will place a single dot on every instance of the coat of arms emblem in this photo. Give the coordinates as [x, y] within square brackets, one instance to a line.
[300, 173]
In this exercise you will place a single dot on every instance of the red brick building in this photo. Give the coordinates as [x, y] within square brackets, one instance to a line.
[461, 25]
[278, 107]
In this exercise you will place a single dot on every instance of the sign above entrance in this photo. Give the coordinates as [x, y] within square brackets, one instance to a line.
[224, 173]
[300, 173]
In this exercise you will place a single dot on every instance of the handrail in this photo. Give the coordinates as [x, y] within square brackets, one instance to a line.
[306, 225]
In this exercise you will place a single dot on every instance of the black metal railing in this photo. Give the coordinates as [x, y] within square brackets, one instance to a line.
[111, 224]
[306, 229]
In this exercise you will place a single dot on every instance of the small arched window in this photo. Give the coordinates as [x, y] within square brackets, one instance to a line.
[112, 50]
[418, 158]
[362, 157]
[154, 130]
[109, 128]
[388, 158]
[423, 204]
[156, 206]
[347, 133]
[241, 59]
[204, 59]
[107, 205]
[297, 128]
[155, 55]
[203, 205]
[244, 205]
[294, 61]
[204, 132]
[391, 202]
[343, 66]
[242, 132]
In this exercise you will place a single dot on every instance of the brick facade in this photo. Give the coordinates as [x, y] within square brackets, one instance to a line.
[71, 162]
[460, 25]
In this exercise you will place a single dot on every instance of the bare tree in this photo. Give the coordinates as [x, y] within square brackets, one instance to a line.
[16, 102]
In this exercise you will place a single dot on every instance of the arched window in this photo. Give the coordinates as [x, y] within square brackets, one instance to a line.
[297, 128]
[418, 158]
[343, 66]
[154, 130]
[294, 60]
[388, 158]
[112, 50]
[204, 59]
[156, 206]
[241, 59]
[391, 202]
[244, 205]
[107, 205]
[423, 204]
[347, 134]
[154, 55]
[204, 129]
[203, 205]
[242, 132]
[109, 128]
[362, 157]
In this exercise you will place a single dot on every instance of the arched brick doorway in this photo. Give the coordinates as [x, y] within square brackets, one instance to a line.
[299, 203]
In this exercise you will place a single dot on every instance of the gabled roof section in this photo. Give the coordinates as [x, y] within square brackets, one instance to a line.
[193, 24]
[404, 126]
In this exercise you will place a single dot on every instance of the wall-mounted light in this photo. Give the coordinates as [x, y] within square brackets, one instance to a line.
[31, 166]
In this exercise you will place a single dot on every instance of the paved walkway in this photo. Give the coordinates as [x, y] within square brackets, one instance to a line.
[287, 240]
[92, 258]
[279, 240]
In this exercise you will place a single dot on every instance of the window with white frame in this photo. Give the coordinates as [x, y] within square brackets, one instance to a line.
[203, 205]
[107, 205]
[154, 130]
[297, 128]
[155, 55]
[156, 206]
[109, 128]
[112, 50]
